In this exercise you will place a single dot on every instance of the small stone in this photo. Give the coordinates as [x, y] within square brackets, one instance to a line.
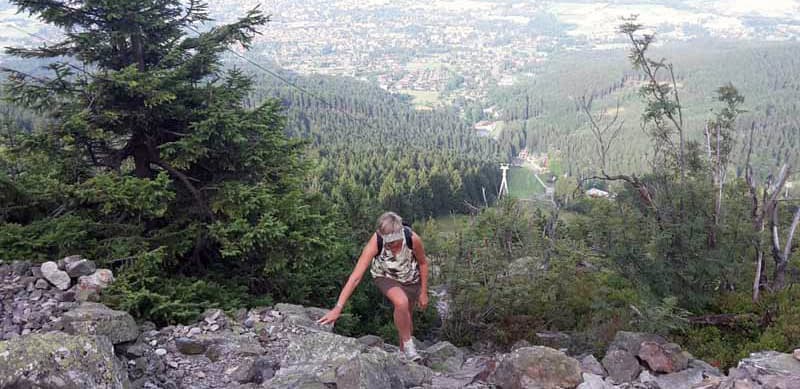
[796, 354]
[211, 315]
[63, 262]
[245, 372]
[83, 267]
[68, 296]
[172, 364]
[200, 374]
[41, 283]
[249, 322]
[36, 295]
[214, 327]
[161, 352]
[190, 346]
[194, 331]
[90, 286]
[60, 279]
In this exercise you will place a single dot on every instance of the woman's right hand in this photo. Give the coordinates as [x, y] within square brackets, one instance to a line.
[330, 317]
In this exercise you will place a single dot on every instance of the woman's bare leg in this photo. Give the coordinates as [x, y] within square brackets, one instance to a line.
[402, 313]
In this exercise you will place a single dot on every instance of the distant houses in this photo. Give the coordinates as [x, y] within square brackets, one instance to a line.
[485, 127]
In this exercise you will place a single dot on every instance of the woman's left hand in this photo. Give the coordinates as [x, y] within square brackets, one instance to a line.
[423, 300]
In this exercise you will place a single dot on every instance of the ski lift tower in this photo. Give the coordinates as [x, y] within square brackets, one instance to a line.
[504, 183]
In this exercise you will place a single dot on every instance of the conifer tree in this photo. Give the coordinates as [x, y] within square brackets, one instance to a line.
[163, 156]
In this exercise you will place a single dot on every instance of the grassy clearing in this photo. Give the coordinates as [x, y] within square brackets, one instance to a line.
[522, 184]
[423, 98]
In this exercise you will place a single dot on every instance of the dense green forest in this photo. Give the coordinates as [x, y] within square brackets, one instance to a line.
[206, 185]
[544, 113]
[369, 142]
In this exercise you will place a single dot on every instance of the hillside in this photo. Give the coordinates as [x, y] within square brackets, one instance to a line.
[765, 73]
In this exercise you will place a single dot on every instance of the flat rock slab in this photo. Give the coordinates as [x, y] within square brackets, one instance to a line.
[537, 368]
[98, 319]
[58, 360]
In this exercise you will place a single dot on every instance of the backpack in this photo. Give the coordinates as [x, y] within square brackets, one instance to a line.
[406, 231]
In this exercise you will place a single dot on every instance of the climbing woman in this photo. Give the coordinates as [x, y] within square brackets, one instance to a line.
[396, 259]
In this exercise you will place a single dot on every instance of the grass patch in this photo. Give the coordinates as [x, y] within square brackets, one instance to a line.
[522, 184]
[422, 98]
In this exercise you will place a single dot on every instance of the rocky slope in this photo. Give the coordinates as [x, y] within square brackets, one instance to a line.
[55, 336]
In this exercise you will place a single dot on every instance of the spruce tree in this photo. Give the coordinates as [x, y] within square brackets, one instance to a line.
[164, 162]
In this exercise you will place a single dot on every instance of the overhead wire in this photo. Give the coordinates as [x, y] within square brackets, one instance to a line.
[244, 58]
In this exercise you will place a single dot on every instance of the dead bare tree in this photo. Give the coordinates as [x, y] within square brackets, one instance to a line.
[605, 131]
[767, 207]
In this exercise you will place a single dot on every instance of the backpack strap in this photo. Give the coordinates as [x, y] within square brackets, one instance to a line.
[409, 241]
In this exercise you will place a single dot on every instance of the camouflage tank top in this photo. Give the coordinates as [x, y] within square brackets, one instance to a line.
[401, 267]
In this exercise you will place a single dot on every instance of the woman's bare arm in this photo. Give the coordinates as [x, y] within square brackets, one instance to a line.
[419, 254]
[370, 251]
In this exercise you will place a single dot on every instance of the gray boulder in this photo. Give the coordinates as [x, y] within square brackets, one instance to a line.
[82, 267]
[621, 366]
[632, 341]
[769, 369]
[590, 364]
[320, 348]
[299, 315]
[444, 356]
[59, 278]
[379, 369]
[58, 360]
[537, 368]
[663, 358]
[20, 268]
[98, 319]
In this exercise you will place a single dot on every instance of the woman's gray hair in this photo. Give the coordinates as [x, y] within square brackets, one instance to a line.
[389, 223]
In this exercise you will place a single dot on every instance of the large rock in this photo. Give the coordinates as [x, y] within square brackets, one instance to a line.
[59, 278]
[299, 315]
[379, 369]
[621, 366]
[90, 286]
[81, 267]
[444, 356]
[97, 319]
[320, 348]
[632, 341]
[590, 364]
[476, 369]
[769, 369]
[58, 360]
[537, 368]
[663, 358]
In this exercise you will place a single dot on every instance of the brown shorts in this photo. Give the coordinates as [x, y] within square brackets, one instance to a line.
[412, 290]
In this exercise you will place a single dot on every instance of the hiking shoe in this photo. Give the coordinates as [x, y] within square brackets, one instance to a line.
[411, 351]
